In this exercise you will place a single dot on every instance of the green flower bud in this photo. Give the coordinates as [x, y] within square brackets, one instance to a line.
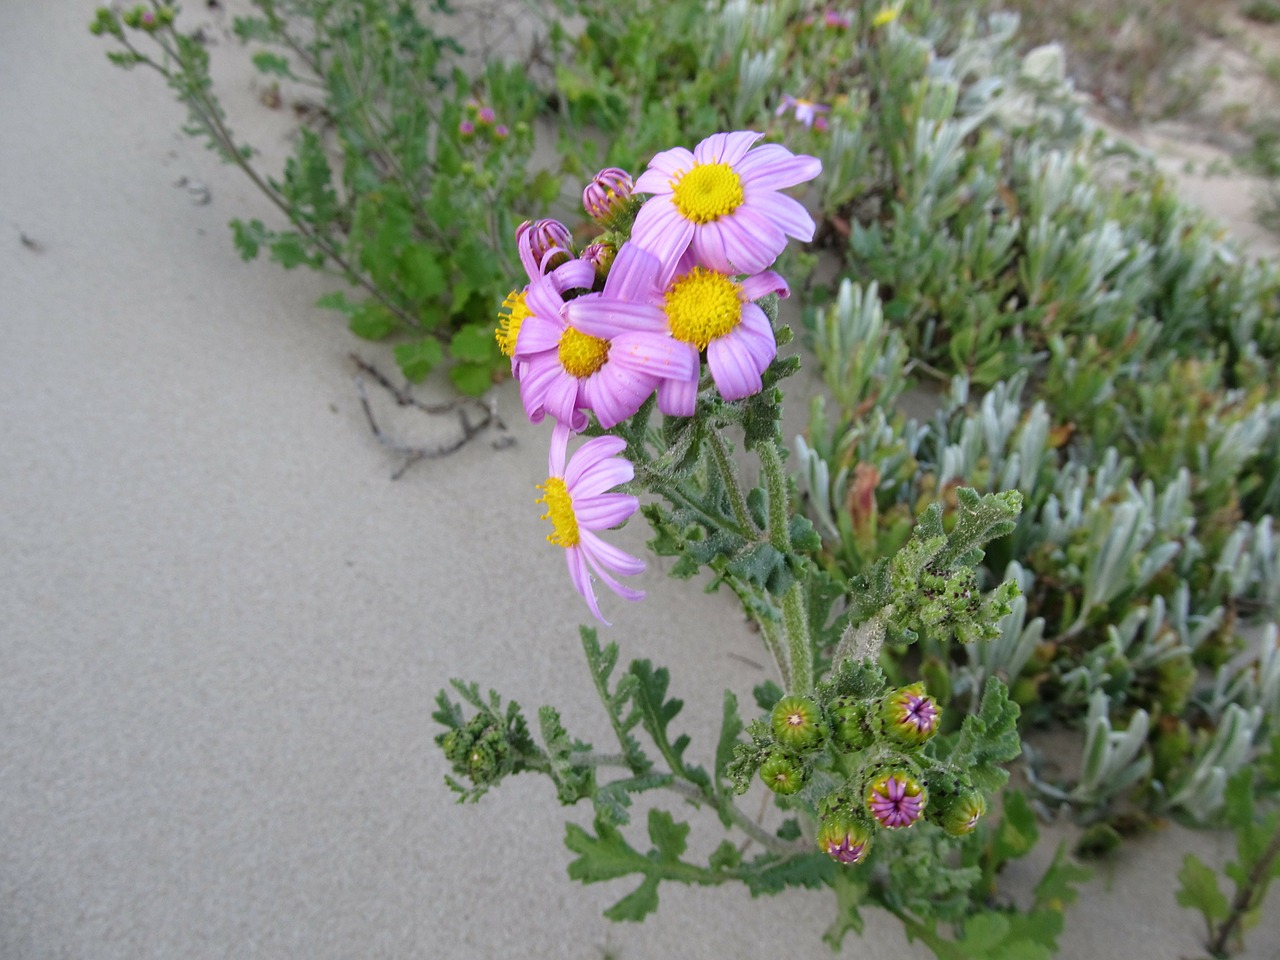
[797, 723]
[849, 723]
[844, 837]
[909, 716]
[957, 813]
[783, 774]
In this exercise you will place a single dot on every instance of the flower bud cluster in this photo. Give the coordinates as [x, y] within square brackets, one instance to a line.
[479, 750]
[481, 121]
[873, 742]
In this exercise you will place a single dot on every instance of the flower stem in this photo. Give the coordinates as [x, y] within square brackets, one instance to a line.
[795, 623]
[1245, 895]
[775, 480]
[720, 454]
[769, 630]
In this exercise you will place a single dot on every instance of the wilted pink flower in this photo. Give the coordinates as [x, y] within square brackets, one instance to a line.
[722, 202]
[578, 504]
[605, 195]
[807, 111]
[543, 244]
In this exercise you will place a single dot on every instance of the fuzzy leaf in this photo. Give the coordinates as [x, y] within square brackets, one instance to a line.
[418, 359]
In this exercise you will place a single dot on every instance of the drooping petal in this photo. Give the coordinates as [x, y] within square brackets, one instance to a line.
[581, 579]
[561, 401]
[615, 392]
[678, 398]
[634, 274]
[598, 315]
[614, 557]
[600, 571]
[559, 449]
[733, 368]
[572, 275]
[599, 478]
[604, 510]
[756, 336]
[589, 457]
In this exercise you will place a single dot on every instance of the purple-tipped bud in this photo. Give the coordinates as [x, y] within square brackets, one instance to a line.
[607, 194]
[466, 129]
[896, 799]
[486, 115]
[783, 774]
[600, 256]
[543, 245]
[909, 715]
[797, 723]
[849, 723]
[958, 814]
[844, 838]
[501, 131]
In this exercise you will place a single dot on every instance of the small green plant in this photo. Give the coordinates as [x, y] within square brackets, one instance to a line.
[1257, 828]
[402, 185]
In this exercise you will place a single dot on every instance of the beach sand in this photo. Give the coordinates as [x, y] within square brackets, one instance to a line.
[223, 626]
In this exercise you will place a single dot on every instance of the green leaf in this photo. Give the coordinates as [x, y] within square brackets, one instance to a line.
[253, 28]
[472, 379]
[337, 300]
[372, 321]
[1017, 832]
[656, 712]
[291, 250]
[1199, 890]
[272, 63]
[248, 238]
[636, 905]
[474, 344]
[730, 727]
[424, 278]
[851, 891]
[417, 360]
[1057, 888]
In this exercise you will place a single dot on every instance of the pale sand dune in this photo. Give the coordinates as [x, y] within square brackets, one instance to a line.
[222, 626]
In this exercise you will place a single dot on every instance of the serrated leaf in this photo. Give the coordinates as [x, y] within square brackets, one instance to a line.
[290, 250]
[421, 273]
[1017, 832]
[372, 321]
[767, 694]
[272, 63]
[1057, 888]
[730, 728]
[472, 379]
[1199, 890]
[636, 905]
[416, 360]
[248, 238]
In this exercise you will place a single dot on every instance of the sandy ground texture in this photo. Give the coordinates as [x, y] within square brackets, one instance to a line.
[222, 625]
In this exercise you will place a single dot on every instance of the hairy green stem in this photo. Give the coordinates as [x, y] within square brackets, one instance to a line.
[759, 834]
[795, 624]
[775, 479]
[769, 630]
[729, 474]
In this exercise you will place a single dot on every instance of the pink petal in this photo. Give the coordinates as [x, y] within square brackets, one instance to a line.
[606, 317]
[591, 457]
[581, 578]
[725, 147]
[664, 167]
[611, 556]
[559, 447]
[604, 510]
[764, 283]
[615, 392]
[634, 274]
[661, 230]
[537, 335]
[575, 273]
[625, 592]
[561, 401]
[655, 355]
[733, 368]
[678, 398]
[543, 300]
[790, 215]
[773, 167]
[598, 478]
[709, 246]
[751, 242]
[756, 335]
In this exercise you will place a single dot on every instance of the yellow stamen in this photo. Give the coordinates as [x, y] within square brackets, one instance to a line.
[559, 512]
[513, 312]
[582, 355]
[886, 15]
[702, 305]
[707, 192]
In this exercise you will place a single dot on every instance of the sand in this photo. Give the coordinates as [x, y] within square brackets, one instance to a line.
[222, 624]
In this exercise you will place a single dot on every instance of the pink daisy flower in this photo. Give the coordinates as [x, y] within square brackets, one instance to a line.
[579, 504]
[607, 360]
[707, 310]
[806, 111]
[721, 200]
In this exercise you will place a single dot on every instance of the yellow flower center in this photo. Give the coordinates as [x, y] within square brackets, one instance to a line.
[513, 312]
[707, 192]
[701, 306]
[582, 355]
[559, 512]
[886, 15]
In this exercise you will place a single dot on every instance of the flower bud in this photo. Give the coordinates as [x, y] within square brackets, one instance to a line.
[466, 129]
[783, 774]
[909, 716]
[957, 813]
[844, 837]
[546, 243]
[797, 723]
[607, 194]
[895, 798]
[486, 116]
[849, 723]
[600, 256]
